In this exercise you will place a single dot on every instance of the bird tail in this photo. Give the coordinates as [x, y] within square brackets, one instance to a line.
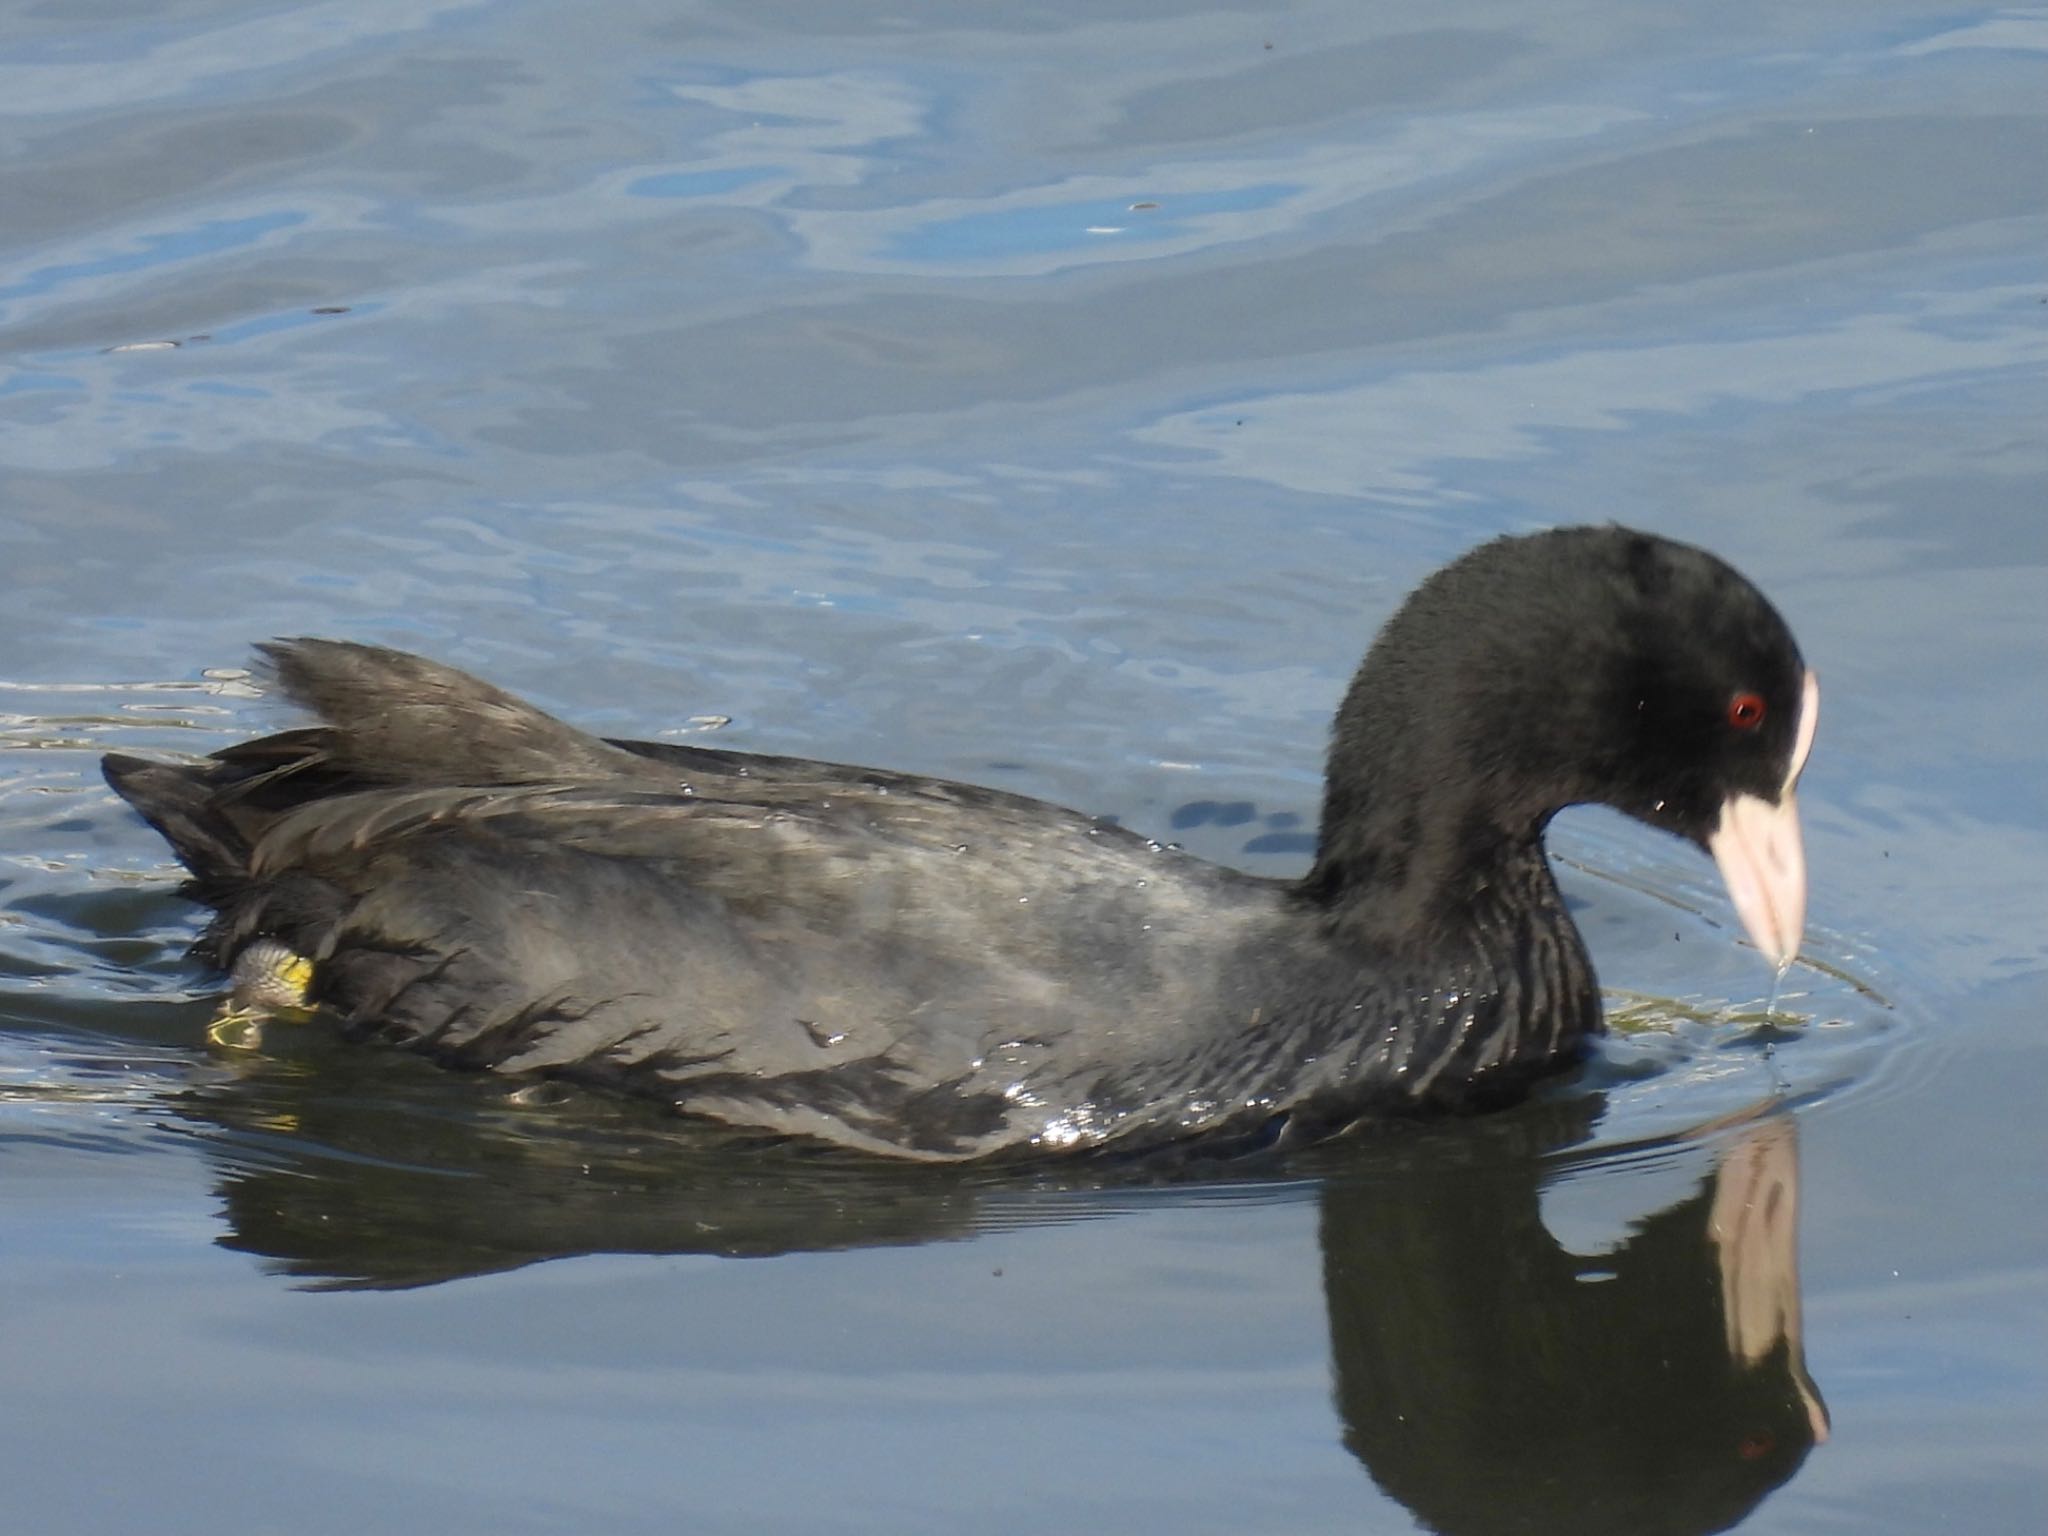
[393, 717]
[181, 801]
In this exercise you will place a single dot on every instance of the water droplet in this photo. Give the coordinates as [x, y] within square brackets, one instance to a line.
[539, 1095]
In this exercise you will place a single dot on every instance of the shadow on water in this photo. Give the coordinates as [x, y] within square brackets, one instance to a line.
[1486, 1376]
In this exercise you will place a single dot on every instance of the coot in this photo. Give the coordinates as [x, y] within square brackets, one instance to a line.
[928, 969]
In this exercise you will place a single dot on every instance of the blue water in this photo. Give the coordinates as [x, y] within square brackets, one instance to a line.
[1055, 399]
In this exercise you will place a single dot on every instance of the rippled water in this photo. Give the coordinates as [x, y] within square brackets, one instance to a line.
[1055, 399]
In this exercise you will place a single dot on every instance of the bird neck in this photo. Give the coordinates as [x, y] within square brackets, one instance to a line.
[1412, 868]
[1492, 984]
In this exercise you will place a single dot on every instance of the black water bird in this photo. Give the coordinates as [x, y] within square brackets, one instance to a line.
[920, 968]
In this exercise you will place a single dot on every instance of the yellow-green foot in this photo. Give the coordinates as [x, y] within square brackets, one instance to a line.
[269, 978]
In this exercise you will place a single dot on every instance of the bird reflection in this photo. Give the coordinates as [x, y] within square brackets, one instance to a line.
[1493, 1381]
[1486, 1377]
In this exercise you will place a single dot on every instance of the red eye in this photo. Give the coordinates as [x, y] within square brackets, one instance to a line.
[1746, 711]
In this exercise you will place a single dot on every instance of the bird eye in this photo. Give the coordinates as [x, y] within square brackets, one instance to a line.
[1746, 711]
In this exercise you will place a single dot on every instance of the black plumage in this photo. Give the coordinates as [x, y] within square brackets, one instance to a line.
[916, 967]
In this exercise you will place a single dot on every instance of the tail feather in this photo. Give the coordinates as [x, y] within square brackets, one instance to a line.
[395, 730]
[178, 799]
[398, 718]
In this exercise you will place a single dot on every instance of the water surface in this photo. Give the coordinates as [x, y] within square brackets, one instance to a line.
[1058, 400]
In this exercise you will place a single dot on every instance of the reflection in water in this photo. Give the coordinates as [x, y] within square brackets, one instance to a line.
[1487, 1378]
[1754, 1226]
[1491, 1380]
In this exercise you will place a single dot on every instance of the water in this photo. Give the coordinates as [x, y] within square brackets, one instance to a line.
[1054, 399]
